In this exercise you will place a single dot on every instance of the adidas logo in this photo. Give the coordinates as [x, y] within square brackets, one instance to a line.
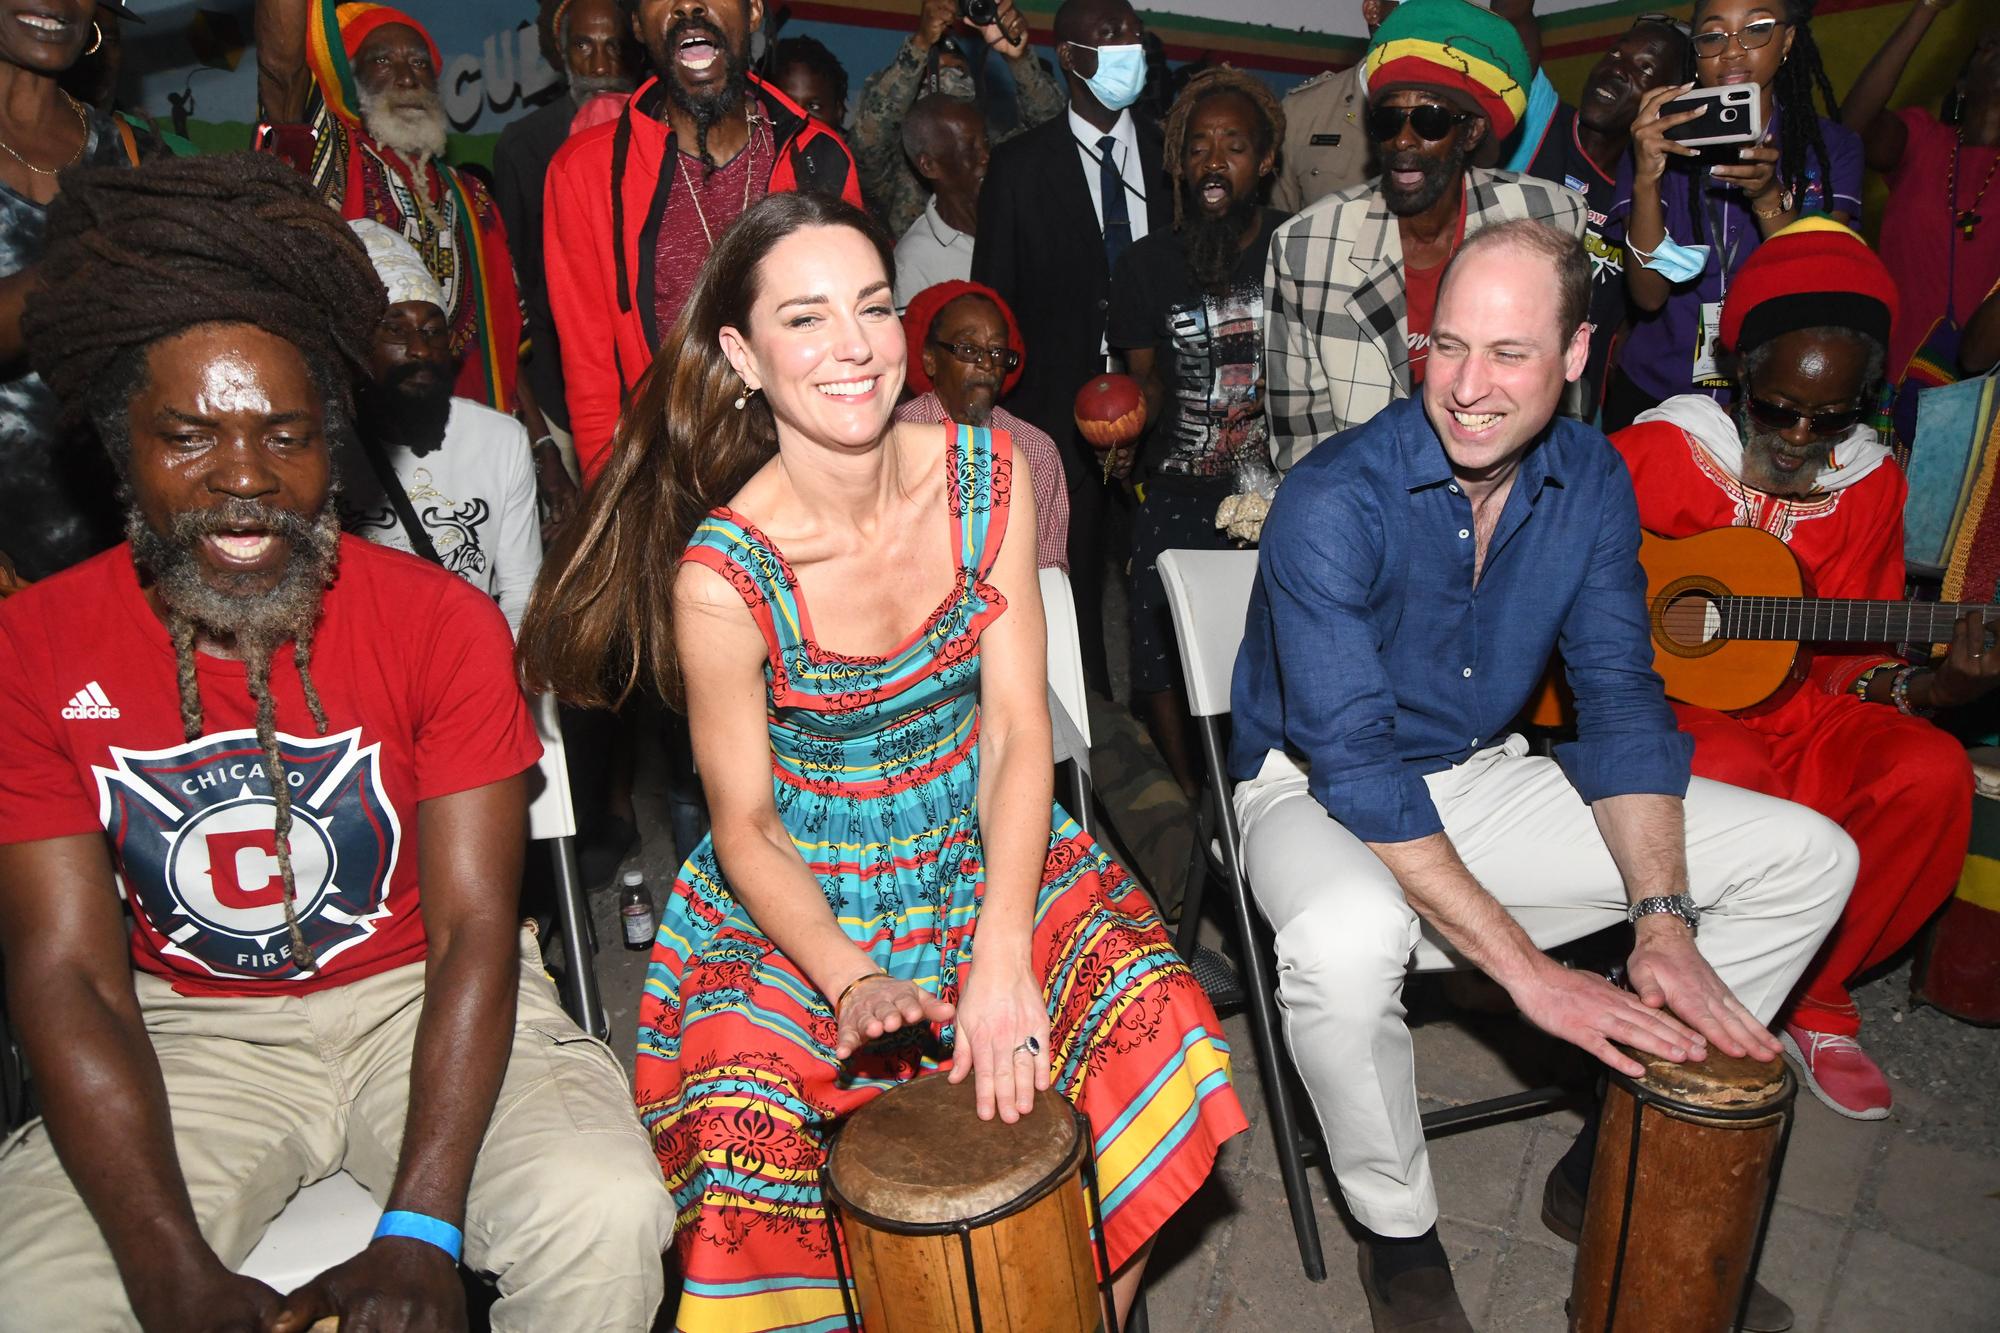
[90, 702]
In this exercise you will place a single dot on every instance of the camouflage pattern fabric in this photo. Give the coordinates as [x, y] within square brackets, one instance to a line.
[892, 187]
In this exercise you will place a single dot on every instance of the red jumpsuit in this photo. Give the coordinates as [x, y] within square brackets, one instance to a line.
[1900, 787]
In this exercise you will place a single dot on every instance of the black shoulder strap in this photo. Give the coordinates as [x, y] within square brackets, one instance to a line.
[399, 500]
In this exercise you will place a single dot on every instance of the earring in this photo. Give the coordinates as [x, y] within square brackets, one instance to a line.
[743, 399]
[96, 38]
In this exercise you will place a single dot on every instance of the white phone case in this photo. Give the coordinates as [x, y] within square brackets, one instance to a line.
[1732, 114]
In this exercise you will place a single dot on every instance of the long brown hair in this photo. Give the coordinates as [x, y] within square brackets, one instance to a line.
[600, 622]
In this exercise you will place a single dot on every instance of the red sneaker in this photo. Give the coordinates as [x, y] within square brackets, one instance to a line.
[1839, 1072]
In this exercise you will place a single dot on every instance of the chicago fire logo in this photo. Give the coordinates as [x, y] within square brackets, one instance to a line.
[193, 827]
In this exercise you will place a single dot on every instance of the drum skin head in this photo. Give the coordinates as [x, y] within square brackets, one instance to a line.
[920, 1153]
[1721, 1081]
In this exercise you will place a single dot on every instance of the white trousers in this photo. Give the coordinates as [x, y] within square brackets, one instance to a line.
[1770, 878]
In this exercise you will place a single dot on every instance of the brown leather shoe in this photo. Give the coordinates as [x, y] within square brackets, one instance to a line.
[1562, 1213]
[1422, 1300]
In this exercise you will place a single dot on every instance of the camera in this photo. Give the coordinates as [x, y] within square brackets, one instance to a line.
[979, 13]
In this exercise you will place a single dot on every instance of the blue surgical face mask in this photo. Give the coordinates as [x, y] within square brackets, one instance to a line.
[1120, 77]
[1676, 262]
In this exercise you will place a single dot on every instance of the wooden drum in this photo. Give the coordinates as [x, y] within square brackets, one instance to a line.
[1686, 1166]
[954, 1224]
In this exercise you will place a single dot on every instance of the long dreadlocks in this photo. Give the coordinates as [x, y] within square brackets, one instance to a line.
[1214, 83]
[1799, 77]
[138, 256]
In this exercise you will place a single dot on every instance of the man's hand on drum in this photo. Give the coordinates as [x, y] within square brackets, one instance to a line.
[395, 1285]
[1003, 1036]
[1589, 1012]
[1668, 973]
[875, 1006]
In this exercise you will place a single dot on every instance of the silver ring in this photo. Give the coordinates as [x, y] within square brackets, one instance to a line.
[1033, 1046]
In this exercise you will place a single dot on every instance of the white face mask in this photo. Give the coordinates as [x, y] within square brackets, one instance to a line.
[1120, 77]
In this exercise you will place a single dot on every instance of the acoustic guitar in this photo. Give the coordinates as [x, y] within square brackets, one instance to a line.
[1729, 615]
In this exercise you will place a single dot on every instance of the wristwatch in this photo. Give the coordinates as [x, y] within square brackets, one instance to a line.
[1679, 904]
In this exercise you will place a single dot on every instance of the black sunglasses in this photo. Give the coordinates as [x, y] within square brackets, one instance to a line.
[1004, 358]
[1431, 121]
[1663, 21]
[1825, 425]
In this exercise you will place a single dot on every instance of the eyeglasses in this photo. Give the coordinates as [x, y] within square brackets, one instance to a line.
[1825, 425]
[972, 354]
[1752, 36]
[1431, 121]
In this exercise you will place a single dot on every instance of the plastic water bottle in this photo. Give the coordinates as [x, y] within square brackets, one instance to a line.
[635, 909]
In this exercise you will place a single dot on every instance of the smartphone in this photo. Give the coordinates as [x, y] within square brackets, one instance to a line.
[1731, 114]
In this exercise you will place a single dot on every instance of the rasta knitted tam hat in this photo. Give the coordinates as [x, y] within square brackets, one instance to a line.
[1813, 274]
[334, 32]
[928, 304]
[1454, 48]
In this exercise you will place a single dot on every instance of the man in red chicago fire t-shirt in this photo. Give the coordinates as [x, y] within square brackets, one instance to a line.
[304, 759]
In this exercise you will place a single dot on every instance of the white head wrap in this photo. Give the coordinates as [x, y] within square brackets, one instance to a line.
[397, 263]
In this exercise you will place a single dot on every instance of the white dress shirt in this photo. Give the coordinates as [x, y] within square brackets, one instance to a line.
[931, 251]
[1125, 153]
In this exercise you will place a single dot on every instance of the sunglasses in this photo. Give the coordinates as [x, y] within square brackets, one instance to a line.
[1751, 37]
[1663, 21]
[972, 354]
[1824, 425]
[1431, 121]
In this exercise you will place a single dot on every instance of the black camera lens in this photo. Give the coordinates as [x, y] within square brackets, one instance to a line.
[979, 13]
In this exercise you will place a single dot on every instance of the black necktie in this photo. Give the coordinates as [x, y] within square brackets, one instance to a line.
[1111, 185]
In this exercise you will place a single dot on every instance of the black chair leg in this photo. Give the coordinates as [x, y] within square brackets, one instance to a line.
[580, 995]
[1263, 1024]
[1197, 876]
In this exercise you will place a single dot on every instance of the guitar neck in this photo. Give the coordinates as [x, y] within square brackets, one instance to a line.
[1831, 620]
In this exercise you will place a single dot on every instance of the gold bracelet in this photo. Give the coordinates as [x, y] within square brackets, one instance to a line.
[865, 976]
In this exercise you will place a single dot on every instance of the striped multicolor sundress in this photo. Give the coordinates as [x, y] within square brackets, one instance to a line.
[875, 770]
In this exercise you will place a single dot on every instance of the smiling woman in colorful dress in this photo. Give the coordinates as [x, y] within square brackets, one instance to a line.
[889, 891]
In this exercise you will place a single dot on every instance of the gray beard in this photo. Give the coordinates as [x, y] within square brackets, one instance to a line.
[582, 88]
[415, 126]
[1759, 445]
[255, 621]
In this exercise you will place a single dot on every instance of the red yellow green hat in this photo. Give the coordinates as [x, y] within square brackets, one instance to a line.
[1813, 274]
[335, 33]
[1454, 48]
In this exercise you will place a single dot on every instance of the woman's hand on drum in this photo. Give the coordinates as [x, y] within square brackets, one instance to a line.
[873, 1007]
[1003, 1039]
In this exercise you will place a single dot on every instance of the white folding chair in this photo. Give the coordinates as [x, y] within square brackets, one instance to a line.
[1208, 594]
[327, 1222]
[1069, 706]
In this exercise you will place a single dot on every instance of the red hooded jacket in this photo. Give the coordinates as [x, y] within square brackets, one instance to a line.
[606, 182]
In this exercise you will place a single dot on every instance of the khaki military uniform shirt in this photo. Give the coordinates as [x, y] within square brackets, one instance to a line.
[1326, 146]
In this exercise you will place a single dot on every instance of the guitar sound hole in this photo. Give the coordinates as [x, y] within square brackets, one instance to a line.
[1691, 620]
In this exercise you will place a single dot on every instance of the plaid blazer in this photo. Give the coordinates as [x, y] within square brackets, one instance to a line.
[1336, 347]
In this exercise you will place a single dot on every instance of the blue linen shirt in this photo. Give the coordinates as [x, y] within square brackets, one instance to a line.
[1370, 654]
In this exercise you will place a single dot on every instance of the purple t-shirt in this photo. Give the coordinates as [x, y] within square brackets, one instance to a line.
[1659, 354]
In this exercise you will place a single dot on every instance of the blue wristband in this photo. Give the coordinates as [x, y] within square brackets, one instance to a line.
[422, 1226]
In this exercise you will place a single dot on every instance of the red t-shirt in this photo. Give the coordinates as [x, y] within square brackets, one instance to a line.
[416, 672]
[1420, 286]
[1420, 295]
[722, 196]
[1920, 244]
